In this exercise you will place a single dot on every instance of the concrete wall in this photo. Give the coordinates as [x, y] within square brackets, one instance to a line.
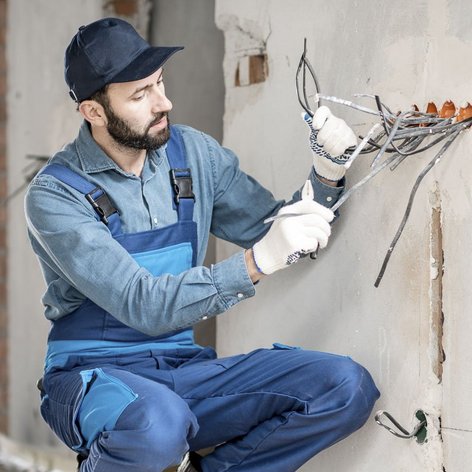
[41, 118]
[194, 83]
[408, 52]
[194, 79]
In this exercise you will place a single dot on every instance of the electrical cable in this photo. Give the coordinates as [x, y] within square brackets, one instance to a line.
[402, 136]
[420, 177]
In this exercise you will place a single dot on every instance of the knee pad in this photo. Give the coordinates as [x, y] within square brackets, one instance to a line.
[155, 429]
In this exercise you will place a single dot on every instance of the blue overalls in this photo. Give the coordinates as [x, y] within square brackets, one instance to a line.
[132, 402]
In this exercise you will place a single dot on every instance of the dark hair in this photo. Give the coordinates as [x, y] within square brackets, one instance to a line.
[100, 96]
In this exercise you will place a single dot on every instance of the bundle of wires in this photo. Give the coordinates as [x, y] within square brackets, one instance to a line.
[398, 135]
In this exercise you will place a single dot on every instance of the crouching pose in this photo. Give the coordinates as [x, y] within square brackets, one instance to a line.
[120, 220]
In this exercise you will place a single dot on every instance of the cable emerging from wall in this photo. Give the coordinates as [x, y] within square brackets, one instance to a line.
[399, 134]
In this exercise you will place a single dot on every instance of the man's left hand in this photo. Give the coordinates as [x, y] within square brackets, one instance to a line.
[329, 138]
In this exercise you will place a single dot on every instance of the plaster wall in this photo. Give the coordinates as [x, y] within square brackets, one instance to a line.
[41, 119]
[194, 83]
[407, 52]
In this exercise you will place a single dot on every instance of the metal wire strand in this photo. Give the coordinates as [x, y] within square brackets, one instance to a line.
[404, 434]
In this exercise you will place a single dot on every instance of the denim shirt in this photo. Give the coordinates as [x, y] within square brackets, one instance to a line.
[80, 259]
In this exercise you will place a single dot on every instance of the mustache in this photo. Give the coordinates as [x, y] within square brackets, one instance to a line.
[157, 118]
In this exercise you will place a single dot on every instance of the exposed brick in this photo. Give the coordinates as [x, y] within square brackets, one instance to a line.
[3, 214]
[3, 86]
[3, 293]
[124, 7]
[3, 194]
[3, 395]
[4, 422]
[3, 332]
[3, 13]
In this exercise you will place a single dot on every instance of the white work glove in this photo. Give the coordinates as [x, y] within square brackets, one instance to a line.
[292, 236]
[329, 138]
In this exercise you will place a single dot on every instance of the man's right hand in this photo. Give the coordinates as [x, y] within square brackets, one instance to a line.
[306, 229]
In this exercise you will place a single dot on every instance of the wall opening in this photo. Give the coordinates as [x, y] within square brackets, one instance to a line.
[437, 269]
[251, 70]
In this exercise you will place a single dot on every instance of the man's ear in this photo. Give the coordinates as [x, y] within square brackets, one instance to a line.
[93, 112]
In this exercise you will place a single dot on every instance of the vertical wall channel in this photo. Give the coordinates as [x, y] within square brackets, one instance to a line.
[437, 269]
[436, 349]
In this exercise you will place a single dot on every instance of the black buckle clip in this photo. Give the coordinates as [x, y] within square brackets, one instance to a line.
[181, 184]
[101, 205]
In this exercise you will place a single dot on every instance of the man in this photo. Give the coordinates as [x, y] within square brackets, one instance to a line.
[120, 220]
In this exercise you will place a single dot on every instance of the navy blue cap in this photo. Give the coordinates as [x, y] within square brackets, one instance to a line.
[108, 51]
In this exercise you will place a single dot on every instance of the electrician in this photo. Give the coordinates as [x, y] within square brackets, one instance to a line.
[120, 220]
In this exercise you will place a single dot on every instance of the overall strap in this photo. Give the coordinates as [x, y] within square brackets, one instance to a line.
[180, 176]
[96, 196]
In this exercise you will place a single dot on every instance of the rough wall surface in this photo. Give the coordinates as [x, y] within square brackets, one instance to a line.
[200, 64]
[407, 52]
[41, 120]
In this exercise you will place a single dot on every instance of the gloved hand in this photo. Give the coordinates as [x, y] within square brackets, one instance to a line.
[302, 232]
[329, 138]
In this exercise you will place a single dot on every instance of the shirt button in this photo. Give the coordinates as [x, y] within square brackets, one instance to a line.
[240, 295]
[155, 221]
[329, 199]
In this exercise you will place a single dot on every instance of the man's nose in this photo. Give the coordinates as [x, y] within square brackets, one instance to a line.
[160, 101]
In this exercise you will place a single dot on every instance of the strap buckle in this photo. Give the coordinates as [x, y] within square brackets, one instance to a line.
[181, 181]
[101, 204]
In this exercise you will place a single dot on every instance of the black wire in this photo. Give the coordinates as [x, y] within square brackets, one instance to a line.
[411, 143]
[313, 76]
[412, 146]
[304, 74]
[420, 177]
[302, 104]
[397, 149]
[377, 147]
[305, 64]
[430, 145]
[447, 131]
[384, 122]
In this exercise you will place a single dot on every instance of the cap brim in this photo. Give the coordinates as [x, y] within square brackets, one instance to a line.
[145, 64]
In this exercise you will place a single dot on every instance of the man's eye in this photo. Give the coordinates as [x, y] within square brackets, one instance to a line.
[138, 98]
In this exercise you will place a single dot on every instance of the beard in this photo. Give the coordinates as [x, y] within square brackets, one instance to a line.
[120, 130]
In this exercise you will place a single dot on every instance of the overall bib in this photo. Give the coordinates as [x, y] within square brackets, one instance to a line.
[90, 335]
[135, 403]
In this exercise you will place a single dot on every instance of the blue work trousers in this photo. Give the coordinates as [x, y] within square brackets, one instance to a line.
[269, 410]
